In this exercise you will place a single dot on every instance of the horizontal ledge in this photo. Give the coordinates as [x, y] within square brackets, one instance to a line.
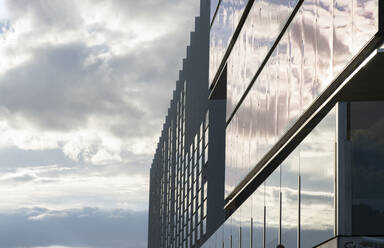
[341, 89]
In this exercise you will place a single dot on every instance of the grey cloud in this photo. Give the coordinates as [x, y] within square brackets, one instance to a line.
[12, 158]
[63, 92]
[131, 91]
[62, 86]
[47, 181]
[24, 178]
[51, 165]
[18, 179]
[47, 15]
[82, 227]
[153, 62]
[155, 10]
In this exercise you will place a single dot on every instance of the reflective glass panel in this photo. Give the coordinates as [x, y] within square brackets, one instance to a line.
[317, 172]
[222, 29]
[246, 223]
[236, 223]
[257, 211]
[264, 23]
[314, 161]
[367, 163]
[213, 7]
[321, 40]
[227, 233]
[289, 194]
[272, 191]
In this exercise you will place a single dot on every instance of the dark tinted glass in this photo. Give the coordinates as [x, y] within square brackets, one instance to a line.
[367, 162]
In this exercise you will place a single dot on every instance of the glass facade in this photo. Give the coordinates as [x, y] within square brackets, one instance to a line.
[283, 60]
[367, 167]
[317, 165]
[214, 5]
[179, 181]
[320, 41]
[290, 172]
[264, 23]
[222, 29]
[274, 215]
[180, 175]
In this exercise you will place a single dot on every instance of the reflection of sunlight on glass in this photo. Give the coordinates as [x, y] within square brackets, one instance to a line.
[222, 30]
[321, 40]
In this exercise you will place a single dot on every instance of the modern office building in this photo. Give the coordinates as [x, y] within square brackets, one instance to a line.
[300, 85]
[187, 174]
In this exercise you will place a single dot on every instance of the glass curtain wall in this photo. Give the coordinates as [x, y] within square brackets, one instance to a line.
[366, 135]
[264, 23]
[289, 199]
[309, 171]
[320, 41]
[317, 168]
[222, 29]
[214, 6]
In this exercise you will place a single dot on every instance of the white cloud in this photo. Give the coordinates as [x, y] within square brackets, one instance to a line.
[57, 187]
[84, 88]
[98, 74]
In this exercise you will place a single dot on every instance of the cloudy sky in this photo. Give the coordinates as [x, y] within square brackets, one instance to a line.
[84, 88]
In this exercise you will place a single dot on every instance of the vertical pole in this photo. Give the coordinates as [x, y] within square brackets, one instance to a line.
[280, 217]
[265, 227]
[280, 205]
[240, 237]
[230, 241]
[251, 234]
[335, 189]
[299, 214]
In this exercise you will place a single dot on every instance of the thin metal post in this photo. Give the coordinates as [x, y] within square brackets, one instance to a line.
[240, 237]
[251, 234]
[265, 227]
[230, 241]
[335, 189]
[299, 213]
[280, 216]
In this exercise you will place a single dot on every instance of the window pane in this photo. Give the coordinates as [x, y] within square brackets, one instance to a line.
[317, 171]
[367, 162]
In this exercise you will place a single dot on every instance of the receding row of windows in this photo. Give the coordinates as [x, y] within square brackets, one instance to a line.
[185, 215]
[183, 239]
[194, 202]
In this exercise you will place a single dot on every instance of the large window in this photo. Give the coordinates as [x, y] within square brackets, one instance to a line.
[297, 197]
[367, 167]
[321, 40]
[317, 163]
[223, 27]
